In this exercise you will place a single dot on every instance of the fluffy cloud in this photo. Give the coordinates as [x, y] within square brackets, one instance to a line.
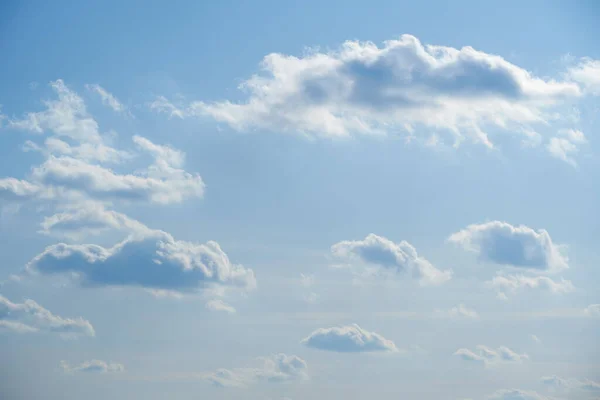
[517, 246]
[153, 260]
[108, 98]
[487, 356]
[92, 366]
[275, 369]
[397, 257]
[348, 339]
[515, 283]
[587, 73]
[516, 394]
[566, 145]
[31, 317]
[593, 310]
[220, 305]
[365, 89]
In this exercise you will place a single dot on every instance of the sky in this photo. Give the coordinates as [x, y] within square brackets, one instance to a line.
[327, 200]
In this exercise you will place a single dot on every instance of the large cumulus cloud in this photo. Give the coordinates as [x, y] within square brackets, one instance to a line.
[362, 88]
[153, 260]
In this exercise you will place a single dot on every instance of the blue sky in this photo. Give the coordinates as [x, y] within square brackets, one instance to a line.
[277, 201]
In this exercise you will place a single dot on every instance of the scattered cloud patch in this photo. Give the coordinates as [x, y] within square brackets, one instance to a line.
[516, 246]
[487, 356]
[348, 339]
[278, 368]
[516, 394]
[587, 74]
[220, 305]
[108, 99]
[460, 311]
[571, 384]
[516, 283]
[31, 317]
[391, 257]
[593, 310]
[566, 145]
[93, 366]
[535, 338]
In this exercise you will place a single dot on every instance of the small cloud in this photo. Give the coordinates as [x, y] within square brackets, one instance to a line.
[220, 305]
[108, 99]
[459, 311]
[390, 257]
[535, 338]
[93, 366]
[515, 246]
[593, 310]
[348, 339]
[278, 368]
[516, 283]
[488, 356]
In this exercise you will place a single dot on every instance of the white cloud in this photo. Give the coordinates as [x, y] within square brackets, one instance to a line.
[365, 89]
[535, 338]
[516, 394]
[488, 356]
[571, 384]
[307, 280]
[157, 185]
[515, 283]
[277, 368]
[348, 339]
[108, 98]
[31, 317]
[565, 146]
[593, 310]
[93, 366]
[152, 260]
[516, 246]
[220, 305]
[89, 218]
[459, 311]
[396, 257]
[587, 73]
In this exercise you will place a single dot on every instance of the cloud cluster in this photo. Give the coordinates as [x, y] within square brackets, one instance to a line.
[488, 356]
[76, 155]
[516, 246]
[92, 366]
[31, 317]
[396, 257]
[277, 368]
[348, 339]
[587, 74]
